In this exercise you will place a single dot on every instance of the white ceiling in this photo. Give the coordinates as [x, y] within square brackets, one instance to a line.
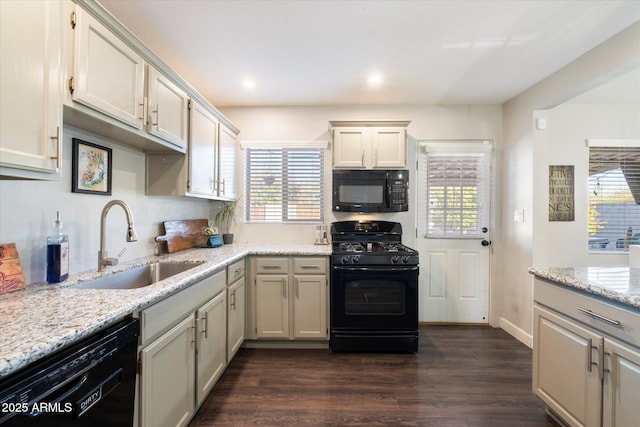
[322, 52]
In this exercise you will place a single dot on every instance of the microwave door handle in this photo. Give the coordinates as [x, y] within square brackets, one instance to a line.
[388, 192]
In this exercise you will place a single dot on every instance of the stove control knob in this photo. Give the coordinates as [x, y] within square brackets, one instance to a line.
[405, 259]
[355, 259]
[395, 259]
[346, 259]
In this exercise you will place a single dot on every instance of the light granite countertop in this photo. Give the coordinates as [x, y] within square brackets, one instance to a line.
[43, 318]
[619, 284]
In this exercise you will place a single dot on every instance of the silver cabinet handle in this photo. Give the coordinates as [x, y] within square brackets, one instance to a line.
[599, 316]
[285, 285]
[58, 156]
[310, 266]
[157, 113]
[297, 288]
[590, 361]
[239, 270]
[271, 267]
[205, 324]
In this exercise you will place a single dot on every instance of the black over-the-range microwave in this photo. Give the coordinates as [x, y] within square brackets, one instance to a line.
[370, 190]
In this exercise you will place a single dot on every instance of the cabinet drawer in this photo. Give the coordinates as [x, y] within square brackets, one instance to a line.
[161, 316]
[577, 305]
[310, 265]
[272, 265]
[235, 271]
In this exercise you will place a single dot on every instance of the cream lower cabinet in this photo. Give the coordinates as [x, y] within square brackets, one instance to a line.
[586, 370]
[290, 297]
[236, 307]
[30, 89]
[183, 353]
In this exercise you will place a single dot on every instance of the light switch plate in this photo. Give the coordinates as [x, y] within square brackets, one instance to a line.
[518, 215]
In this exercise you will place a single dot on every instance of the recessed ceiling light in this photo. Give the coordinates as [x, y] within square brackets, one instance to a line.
[249, 83]
[375, 79]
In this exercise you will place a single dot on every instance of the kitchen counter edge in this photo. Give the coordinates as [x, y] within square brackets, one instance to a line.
[620, 285]
[42, 318]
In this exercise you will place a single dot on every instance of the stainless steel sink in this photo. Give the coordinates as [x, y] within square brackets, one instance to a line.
[138, 277]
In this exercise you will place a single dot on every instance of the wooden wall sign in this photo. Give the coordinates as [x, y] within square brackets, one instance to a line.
[561, 193]
[11, 277]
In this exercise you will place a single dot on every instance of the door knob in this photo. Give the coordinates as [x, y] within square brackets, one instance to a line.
[486, 242]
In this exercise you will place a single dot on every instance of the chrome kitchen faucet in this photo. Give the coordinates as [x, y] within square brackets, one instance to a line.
[103, 260]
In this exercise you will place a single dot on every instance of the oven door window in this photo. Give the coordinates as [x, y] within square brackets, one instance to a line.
[370, 297]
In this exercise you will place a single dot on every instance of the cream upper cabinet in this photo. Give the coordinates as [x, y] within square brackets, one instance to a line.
[389, 148]
[369, 147]
[209, 169]
[227, 159]
[202, 152]
[351, 148]
[108, 74]
[30, 89]
[167, 109]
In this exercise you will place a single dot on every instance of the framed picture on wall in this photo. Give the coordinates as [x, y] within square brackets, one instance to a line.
[91, 168]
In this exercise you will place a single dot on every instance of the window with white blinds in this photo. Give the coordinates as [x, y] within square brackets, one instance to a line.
[284, 184]
[457, 186]
[614, 194]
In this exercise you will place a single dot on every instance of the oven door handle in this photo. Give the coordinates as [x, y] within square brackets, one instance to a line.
[399, 268]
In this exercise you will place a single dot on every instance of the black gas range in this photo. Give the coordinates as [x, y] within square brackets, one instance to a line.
[374, 288]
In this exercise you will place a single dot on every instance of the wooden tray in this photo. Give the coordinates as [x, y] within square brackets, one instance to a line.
[11, 276]
[183, 234]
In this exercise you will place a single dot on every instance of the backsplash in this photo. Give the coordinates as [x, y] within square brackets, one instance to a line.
[29, 209]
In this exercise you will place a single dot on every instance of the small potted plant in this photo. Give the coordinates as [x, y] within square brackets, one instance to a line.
[224, 218]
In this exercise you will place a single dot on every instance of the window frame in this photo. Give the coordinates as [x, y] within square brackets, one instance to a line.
[285, 147]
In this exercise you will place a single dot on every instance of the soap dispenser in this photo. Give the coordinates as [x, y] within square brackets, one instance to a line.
[57, 254]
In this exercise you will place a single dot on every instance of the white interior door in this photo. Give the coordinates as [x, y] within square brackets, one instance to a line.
[454, 235]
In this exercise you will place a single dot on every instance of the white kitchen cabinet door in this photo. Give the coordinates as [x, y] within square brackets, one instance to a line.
[388, 147]
[108, 74]
[211, 321]
[351, 148]
[310, 306]
[202, 151]
[566, 368]
[167, 379]
[621, 386]
[168, 109]
[30, 89]
[236, 317]
[272, 306]
[227, 153]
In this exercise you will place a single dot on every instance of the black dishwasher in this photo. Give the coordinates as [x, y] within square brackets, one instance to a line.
[90, 383]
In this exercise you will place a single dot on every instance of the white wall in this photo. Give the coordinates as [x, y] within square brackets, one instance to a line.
[612, 58]
[312, 123]
[28, 210]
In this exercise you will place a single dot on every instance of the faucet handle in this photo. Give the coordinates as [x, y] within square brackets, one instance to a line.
[121, 252]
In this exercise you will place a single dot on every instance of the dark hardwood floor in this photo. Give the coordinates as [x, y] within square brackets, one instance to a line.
[461, 376]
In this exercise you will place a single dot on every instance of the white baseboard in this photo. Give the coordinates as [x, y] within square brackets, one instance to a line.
[516, 332]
